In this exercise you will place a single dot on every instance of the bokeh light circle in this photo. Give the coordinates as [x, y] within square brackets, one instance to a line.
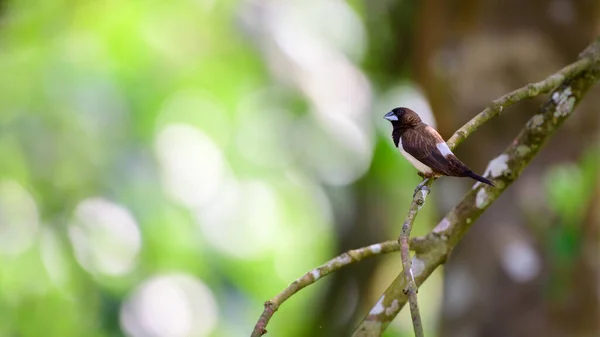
[105, 236]
[175, 305]
[19, 224]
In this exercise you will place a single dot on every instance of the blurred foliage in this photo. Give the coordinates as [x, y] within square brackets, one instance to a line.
[159, 178]
[569, 195]
[87, 88]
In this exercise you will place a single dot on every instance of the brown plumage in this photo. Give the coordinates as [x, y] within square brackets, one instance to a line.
[423, 147]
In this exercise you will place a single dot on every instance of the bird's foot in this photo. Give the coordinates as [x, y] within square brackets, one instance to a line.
[422, 186]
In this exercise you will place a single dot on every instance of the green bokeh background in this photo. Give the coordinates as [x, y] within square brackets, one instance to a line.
[98, 97]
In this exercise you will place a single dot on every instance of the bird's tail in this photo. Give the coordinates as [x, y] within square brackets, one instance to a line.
[477, 177]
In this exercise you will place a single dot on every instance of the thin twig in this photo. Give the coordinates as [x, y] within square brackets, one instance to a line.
[315, 274]
[411, 289]
[339, 262]
[433, 249]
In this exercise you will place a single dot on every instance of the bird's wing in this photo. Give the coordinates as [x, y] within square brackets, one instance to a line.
[423, 145]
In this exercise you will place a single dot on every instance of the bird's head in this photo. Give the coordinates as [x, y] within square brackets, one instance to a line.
[403, 117]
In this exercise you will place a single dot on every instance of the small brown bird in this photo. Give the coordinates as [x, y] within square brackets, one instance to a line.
[425, 149]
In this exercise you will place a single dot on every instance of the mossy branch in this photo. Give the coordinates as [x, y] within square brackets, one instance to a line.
[312, 276]
[569, 85]
[411, 288]
[433, 249]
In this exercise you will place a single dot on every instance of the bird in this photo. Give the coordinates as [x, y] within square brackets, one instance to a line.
[425, 149]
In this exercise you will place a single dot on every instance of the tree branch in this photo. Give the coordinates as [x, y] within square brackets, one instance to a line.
[529, 91]
[571, 84]
[411, 289]
[315, 274]
[433, 249]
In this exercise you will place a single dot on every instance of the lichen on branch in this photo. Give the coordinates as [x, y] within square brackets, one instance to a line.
[568, 86]
[433, 249]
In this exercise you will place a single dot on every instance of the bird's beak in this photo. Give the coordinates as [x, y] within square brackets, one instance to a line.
[390, 116]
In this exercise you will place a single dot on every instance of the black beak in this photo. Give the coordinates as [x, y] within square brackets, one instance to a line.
[390, 116]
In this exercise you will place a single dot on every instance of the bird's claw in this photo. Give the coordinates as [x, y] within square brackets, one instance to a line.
[421, 188]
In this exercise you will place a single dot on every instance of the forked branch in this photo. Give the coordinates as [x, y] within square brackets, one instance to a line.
[568, 87]
[433, 249]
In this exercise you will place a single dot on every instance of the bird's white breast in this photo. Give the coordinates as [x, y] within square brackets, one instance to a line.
[417, 164]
